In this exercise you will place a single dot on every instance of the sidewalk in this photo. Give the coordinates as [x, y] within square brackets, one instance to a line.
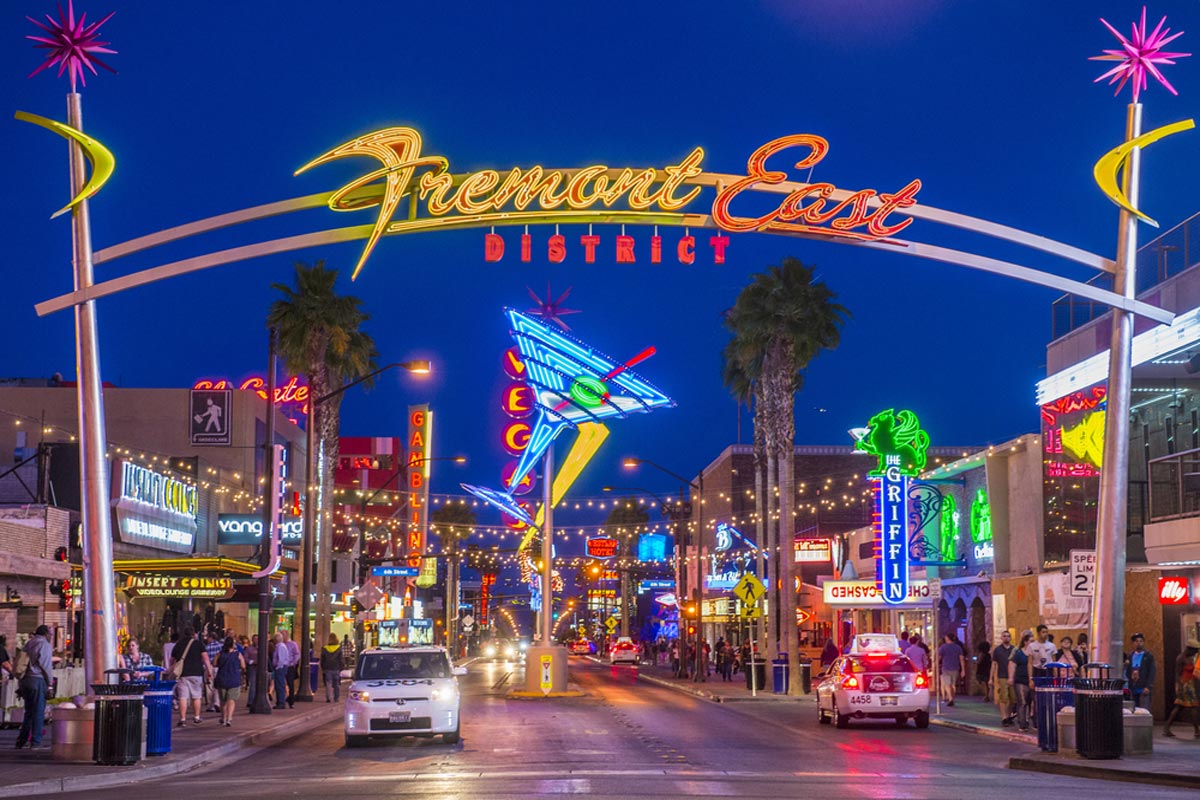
[23, 772]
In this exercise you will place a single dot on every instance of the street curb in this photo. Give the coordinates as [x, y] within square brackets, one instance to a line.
[703, 695]
[240, 746]
[992, 732]
[1085, 769]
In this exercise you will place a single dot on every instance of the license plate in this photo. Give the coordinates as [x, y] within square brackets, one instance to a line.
[888, 700]
[403, 716]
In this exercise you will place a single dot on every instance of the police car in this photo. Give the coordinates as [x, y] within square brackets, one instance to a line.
[873, 681]
[403, 691]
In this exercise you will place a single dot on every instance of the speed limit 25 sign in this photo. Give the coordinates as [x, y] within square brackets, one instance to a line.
[1083, 573]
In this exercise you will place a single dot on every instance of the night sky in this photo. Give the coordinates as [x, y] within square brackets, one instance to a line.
[991, 105]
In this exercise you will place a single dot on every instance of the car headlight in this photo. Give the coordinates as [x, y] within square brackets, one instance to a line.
[490, 651]
[441, 694]
[360, 696]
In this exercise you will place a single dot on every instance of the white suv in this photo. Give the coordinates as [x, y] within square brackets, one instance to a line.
[403, 691]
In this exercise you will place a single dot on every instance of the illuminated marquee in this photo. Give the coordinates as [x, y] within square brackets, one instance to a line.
[291, 393]
[645, 196]
[624, 253]
[178, 586]
[602, 547]
[152, 508]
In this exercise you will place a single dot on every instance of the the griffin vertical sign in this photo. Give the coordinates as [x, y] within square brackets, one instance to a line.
[897, 440]
[420, 430]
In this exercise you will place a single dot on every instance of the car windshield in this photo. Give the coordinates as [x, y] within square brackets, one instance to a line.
[388, 666]
[881, 663]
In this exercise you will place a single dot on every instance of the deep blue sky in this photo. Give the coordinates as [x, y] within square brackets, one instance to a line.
[992, 106]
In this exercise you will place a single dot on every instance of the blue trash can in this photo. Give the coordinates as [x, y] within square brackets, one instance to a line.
[1051, 694]
[781, 671]
[157, 699]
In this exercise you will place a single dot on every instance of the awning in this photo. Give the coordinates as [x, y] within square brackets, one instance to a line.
[217, 565]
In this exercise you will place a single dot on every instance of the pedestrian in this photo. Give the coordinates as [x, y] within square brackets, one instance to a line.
[727, 663]
[1068, 655]
[5, 660]
[1081, 647]
[250, 653]
[1140, 672]
[280, 665]
[194, 667]
[1002, 687]
[293, 667]
[675, 657]
[1018, 676]
[331, 669]
[917, 654]
[169, 651]
[829, 653]
[231, 666]
[34, 669]
[347, 650]
[1041, 651]
[983, 669]
[952, 664]
[212, 648]
[134, 659]
[1187, 692]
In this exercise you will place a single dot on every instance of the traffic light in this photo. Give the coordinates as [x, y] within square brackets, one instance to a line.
[356, 607]
[64, 594]
[691, 629]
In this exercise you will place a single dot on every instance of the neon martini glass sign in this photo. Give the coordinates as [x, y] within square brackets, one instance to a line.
[573, 384]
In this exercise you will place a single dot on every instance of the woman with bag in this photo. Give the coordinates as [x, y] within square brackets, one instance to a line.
[231, 666]
[188, 670]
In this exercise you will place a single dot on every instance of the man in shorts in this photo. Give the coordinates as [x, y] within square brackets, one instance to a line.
[1004, 691]
[189, 688]
[952, 663]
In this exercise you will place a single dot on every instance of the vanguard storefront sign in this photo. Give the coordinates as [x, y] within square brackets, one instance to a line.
[247, 529]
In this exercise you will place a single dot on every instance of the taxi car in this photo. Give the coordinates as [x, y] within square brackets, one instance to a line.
[403, 691]
[623, 651]
[873, 681]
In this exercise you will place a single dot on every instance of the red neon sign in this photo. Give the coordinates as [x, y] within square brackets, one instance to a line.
[513, 366]
[1084, 400]
[517, 401]
[602, 547]
[1173, 591]
[291, 392]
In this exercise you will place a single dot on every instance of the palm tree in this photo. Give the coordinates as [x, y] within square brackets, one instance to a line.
[319, 336]
[781, 321]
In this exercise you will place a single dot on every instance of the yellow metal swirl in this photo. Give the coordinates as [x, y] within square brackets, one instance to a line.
[1111, 162]
[100, 157]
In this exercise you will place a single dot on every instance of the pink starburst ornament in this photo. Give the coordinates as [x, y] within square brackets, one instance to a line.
[1138, 56]
[72, 44]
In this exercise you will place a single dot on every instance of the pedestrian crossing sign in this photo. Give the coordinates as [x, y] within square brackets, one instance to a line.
[749, 590]
[611, 623]
[751, 612]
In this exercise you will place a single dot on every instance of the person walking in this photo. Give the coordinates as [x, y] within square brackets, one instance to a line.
[212, 648]
[952, 663]
[34, 669]
[829, 653]
[231, 666]
[293, 667]
[983, 669]
[250, 654]
[1140, 672]
[917, 654]
[280, 664]
[1018, 677]
[1041, 652]
[1187, 692]
[331, 669]
[1002, 686]
[727, 663]
[194, 668]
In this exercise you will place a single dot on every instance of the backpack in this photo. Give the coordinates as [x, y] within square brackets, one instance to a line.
[229, 671]
[21, 665]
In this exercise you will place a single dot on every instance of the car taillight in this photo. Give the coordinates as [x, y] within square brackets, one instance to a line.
[850, 682]
[921, 681]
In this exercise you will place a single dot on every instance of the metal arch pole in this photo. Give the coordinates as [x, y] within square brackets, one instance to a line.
[1108, 604]
[100, 627]
[547, 543]
[304, 574]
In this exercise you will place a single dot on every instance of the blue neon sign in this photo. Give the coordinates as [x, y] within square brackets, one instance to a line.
[891, 531]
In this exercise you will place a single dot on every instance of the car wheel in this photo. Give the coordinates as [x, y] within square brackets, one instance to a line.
[822, 718]
[452, 737]
[901, 721]
[843, 720]
[355, 741]
[922, 718]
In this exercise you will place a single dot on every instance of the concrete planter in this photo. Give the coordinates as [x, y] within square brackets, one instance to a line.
[71, 732]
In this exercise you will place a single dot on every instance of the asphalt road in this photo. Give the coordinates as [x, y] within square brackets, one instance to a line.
[627, 739]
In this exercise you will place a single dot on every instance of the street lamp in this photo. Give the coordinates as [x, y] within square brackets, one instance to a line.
[632, 462]
[416, 367]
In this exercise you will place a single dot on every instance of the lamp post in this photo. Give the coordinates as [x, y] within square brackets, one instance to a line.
[632, 462]
[417, 367]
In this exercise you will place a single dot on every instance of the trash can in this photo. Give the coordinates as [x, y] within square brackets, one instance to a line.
[157, 700]
[314, 676]
[805, 676]
[1098, 698]
[780, 673]
[117, 727]
[756, 670]
[1051, 693]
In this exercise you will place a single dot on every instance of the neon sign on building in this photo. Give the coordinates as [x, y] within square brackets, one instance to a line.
[420, 432]
[896, 439]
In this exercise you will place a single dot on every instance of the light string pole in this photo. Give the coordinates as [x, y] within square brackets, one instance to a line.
[307, 543]
[262, 704]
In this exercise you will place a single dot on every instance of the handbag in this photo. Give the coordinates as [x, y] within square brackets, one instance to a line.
[173, 674]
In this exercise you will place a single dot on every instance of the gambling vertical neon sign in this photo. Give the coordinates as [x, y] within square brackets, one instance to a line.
[891, 531]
